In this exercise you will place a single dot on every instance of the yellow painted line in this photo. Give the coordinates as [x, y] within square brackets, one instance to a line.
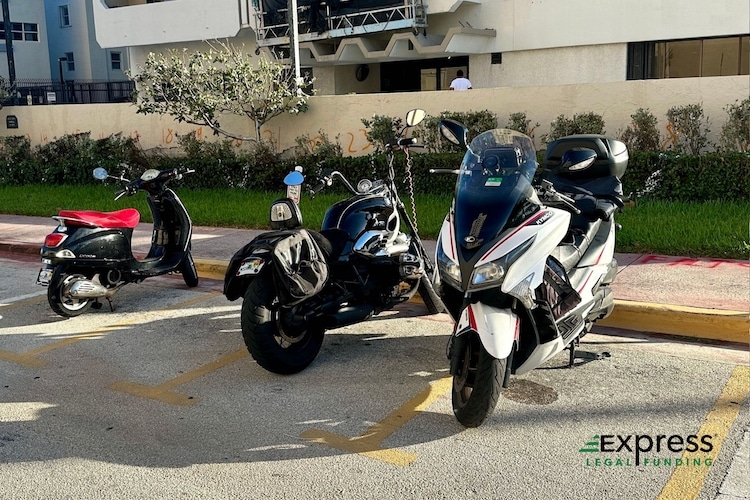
[687, 482]
[715, 324]
[368, 444]
[29, 359]
[164, 393]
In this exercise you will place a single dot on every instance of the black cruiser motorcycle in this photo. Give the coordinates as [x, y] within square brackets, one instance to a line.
[298, 283]
[526, 263]
[88, 256]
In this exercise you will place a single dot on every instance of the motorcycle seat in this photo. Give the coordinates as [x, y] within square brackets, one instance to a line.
[125, 218]
[575, 244]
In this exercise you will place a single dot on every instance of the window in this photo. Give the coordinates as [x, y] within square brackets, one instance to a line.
[21, 31]
[31, 32]
[115, 59]
[723, 56]
[70, 61]
[64, 16]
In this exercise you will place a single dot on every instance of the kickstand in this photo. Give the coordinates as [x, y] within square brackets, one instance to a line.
[586, 356]
[111, 305]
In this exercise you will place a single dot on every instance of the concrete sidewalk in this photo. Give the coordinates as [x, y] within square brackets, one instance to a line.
[702, 298]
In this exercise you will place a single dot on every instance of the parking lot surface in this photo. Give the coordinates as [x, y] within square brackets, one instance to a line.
[160, 399]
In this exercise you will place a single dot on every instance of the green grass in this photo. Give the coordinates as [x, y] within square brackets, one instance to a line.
[713, 229]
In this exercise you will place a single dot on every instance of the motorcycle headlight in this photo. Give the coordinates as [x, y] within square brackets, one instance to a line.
[492, 273]
[488, 273]
[449, 270]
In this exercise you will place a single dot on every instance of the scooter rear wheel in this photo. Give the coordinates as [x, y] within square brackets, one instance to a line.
[276, 346]
[477, 384]
[188, 271]
[60, 300]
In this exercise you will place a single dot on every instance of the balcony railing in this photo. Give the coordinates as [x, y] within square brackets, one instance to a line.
[273, 28]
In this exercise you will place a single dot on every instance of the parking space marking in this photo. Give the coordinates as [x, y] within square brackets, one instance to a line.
[687, 482]
[368, 444]
[29, 359]
[164, 393]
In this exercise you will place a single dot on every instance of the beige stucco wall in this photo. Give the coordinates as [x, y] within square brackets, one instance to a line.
[341, 115]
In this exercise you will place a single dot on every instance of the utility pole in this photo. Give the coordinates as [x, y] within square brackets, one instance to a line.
[9, 44]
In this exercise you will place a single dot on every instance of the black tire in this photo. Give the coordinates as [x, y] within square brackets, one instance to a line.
[63, 304]
[477, 383]
[188, 270]
[278, 350]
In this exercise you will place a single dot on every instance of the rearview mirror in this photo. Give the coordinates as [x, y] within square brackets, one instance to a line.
[577, 159]
[455, 132]
[100, 173]
[415, 117]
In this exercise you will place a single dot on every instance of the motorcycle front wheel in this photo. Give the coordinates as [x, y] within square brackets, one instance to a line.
[477, 382]
[59, 297]
[277, 347]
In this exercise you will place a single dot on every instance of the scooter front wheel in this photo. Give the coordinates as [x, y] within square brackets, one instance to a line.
[188, 271]
[477, 382]
[277, 347]
[59, 297]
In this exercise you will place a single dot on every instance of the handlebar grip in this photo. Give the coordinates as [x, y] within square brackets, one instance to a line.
[317, 188]
[407, 141]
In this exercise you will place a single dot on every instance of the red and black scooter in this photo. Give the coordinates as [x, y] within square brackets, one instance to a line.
[89, 255]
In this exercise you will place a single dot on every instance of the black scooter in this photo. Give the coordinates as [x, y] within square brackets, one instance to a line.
[89, 255]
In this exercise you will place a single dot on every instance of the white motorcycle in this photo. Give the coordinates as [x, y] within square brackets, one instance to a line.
[525, 267]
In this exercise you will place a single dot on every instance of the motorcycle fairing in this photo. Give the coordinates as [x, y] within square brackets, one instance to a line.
[498, 329]
[541, 354]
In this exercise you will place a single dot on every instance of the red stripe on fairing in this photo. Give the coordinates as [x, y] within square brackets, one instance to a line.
[452, 239]
[517, 333]
[591, 273]
[472, 319]
[536, 216]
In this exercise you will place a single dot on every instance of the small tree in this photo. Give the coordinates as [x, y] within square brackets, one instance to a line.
[518, 121]
[735, 133]
[642, 134]
[199, 87]
[689, 128]
[583, 123]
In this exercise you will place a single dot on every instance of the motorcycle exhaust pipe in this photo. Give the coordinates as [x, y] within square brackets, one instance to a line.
[347, 316]
[85, 289]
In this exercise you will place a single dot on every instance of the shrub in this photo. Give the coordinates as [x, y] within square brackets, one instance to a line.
[381, 129]
[689, 128]
[642, 134]
[476, 121]
[735, 133]
[519, 122]
[584, 123]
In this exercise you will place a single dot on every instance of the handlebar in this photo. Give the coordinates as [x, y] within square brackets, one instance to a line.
[132, 187]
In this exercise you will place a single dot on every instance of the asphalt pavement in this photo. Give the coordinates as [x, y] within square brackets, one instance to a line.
[706, 299]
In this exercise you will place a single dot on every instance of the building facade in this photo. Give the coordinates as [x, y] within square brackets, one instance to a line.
[370, 46]
[26, 50]
[72, 42]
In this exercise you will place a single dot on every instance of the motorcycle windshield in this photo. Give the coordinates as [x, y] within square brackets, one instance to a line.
[494, 186]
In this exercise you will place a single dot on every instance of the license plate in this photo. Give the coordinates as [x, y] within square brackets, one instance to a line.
[251, 266]
[45, 275]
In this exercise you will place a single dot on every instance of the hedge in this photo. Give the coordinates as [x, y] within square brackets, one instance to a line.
[71, 159]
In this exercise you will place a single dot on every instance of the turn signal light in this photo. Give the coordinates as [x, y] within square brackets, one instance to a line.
[54, 239]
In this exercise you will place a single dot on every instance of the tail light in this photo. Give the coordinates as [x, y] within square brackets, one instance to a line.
[54, 239]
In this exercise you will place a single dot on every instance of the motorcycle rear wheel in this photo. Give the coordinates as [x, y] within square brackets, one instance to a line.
[188, 271]
[476, 386]
[62, 303]
[274, 346]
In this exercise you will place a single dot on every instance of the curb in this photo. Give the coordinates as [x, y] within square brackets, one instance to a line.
[711, 324]
[694, 322]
